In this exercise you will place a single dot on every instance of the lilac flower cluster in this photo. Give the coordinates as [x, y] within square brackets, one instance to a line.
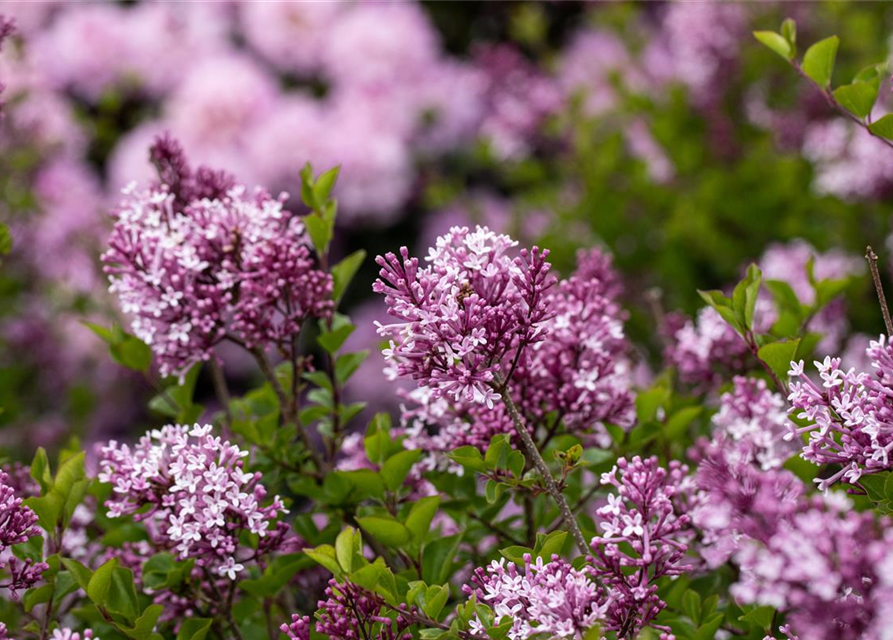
[551, 598]
[751, 424]
[645, 517]
[848, 414]
[298, 629]
[476, 316]
[190, 488]
[463, 315]
[18, 523]
[350, 612]
[198, 259]
[825, 566]
[7, 28]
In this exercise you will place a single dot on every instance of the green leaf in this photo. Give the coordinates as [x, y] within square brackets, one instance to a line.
[81, 573]
[549, 545]
[40, 471]
[347, 363]
[691, 605]
[707, 630]
[344, 271]
[858, 98]
[331, 341]
[818, 61]
[723, 307]
[348, 546]
[744, 297]
[761, 617]
[875, 485]
[776, 42]
[121, 596]
[326, 556]
[320, 231]
[778, 355]
[39, 595]
[883, 127]
[322, 189]
[145, 624]
[468, 457]
[789, 32]
[676, 425]
[435, 598]
[437, 559]
[377, 442]
[194, 629]
[385, 529]
[397, 467]
[420, 516]
[101, 582]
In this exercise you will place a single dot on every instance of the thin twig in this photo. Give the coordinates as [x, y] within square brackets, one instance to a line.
[871, 256]
[564, 508]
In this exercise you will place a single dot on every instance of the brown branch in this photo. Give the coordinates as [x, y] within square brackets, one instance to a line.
[871, 256]
[563, 507]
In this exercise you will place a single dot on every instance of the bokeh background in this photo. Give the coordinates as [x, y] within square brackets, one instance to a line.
[660, 131]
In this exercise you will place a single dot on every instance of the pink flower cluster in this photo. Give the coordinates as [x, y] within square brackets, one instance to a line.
[350, 612]
[18, 523]
[64, 633]
[190, 489]
[549, 599]
[751, 424]
[827, 567]
[645, 537]
[848, 414]
[198, 259]
[462, 316]
[477, 317]
[298, 629]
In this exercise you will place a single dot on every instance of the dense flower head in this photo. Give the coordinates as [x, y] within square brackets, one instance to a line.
[461, 316]
[738, 500]
[191, 489]
[197, 259]
[848, 414]
[476, 315]
[751, 424]
[548, 599]
[17, 522]
[825, 567]
[350, 612]
[645, 536]
[298, 629]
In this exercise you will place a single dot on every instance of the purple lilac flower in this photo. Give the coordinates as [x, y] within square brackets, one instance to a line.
[290, 35]
[751, 423]
[197, 259]
[704, 349]
[192, 490]
[738, 501]
[298, 629]
[645, 516]
[549, 599]
[848, 415]
[822, 567]
[476, 314]
[350, 612]
[7, 28]
[17, 524]
[466, 312]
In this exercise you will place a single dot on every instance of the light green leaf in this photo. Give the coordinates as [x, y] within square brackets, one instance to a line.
[776, 42]
[818, 61]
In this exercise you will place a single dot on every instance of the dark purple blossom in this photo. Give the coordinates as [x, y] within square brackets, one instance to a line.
[298, 629]
[349, 612]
